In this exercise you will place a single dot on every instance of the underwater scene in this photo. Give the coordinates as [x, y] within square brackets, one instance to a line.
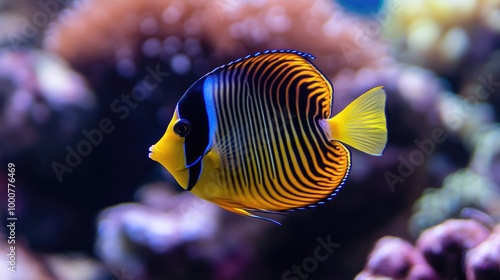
[245, 140]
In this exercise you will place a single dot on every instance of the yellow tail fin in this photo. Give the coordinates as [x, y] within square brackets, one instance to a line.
[362, 123]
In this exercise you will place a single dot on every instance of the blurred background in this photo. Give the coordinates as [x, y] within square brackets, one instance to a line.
[76, 120]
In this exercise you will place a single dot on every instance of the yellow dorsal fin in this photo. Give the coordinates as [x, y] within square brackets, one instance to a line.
[362, 124]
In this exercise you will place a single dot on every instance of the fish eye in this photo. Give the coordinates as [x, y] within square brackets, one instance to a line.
[182, 127]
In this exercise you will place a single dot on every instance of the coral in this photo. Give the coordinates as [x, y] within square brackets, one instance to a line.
[444, 245]
[25, 264]
[462, 189]
[166, 235]
[486, 156]
[117, 31]
[482, 83]
[42, 102]
[483, 262]
[152, 238]
[463, 118]
[445, 251]
[35, 266]
[395, 258]
[469, 119]
[75, 266]
[199, 35]
[128, 233]
[442, 34]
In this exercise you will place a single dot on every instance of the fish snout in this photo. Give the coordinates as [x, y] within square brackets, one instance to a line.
[170, 161]
[152, 153]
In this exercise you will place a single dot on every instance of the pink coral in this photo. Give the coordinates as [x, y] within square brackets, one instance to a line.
[483, 262]
[121, 31]
[444, 245]
[398, 259]
[455, 249]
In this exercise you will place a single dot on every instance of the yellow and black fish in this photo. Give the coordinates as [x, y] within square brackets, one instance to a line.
[257, 135]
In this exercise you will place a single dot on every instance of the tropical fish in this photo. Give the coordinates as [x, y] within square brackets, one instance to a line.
[257, 135]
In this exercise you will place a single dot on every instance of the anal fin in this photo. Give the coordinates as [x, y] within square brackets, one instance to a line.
[244, 212]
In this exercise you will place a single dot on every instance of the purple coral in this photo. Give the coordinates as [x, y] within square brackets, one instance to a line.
[455, 249]
[43, 102]
[483, 262]
[396, 258]
[444, 245]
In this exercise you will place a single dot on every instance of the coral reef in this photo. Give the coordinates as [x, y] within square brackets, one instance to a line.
[444, 245]
[27, 266]
[166, 235]
[200, 35]
[121, 31]
[35, 266]
[43, 103]
[442, 35]
[483, 262]
[460, 190]
[398, 259]
[125, 236]
[454, 249]
[435, 59]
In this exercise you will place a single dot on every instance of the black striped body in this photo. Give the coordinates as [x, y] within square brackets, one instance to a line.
[265, 116]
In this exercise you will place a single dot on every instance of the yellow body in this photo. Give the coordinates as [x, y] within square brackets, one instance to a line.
[257, 135]
[361, 125]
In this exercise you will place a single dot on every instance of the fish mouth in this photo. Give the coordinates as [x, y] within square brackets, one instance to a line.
[158, 156]
[151, 151]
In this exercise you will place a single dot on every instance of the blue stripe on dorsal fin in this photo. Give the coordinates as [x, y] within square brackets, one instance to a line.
[303, 54]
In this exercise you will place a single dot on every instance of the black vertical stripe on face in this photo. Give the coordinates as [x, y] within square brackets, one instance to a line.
[194, 174]
[192, 107]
